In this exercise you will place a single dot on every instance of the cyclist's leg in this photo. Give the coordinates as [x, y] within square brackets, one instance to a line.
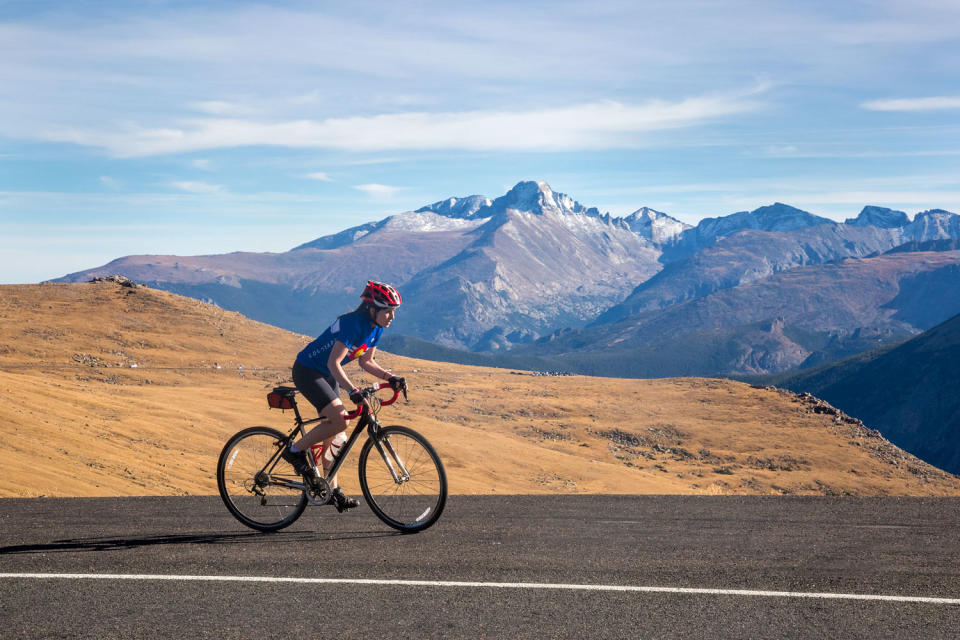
[323, 392]
[335, 413]
[337, 424]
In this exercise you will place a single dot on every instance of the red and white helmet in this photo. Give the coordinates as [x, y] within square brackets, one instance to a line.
[381, 294]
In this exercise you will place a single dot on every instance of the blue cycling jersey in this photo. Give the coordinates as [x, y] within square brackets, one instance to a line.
[352, 329]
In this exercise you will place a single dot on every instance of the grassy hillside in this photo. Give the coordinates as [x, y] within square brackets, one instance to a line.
[113, 390]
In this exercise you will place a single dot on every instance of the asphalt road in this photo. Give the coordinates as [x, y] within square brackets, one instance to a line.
[801, 546]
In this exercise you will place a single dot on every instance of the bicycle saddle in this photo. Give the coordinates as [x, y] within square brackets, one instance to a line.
[286, 391]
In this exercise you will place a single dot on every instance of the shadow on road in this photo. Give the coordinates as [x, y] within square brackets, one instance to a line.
[110, 544]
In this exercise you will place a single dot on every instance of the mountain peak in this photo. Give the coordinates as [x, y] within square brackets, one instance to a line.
[773, 217]
[882, 217]
[655, 225]
[531, 187]
[529, 195]
[538, 198]
[935, 212]
[645, 213]
[783, 217]
[934, 224]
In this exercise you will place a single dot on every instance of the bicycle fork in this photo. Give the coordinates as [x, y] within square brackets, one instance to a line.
[393, 461]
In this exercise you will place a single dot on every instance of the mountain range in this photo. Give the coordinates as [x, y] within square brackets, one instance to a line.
[533, 275]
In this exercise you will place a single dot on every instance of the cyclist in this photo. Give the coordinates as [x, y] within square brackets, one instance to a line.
[318, 374]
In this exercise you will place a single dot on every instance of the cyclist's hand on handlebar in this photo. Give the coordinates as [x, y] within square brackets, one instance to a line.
[357, 395]
[398, 384]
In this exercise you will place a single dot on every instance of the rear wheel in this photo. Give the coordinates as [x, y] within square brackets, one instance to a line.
[258, 486]
[402, 479]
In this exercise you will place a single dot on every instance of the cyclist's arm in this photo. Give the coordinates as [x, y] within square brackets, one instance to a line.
[337, 354]
[368, 364]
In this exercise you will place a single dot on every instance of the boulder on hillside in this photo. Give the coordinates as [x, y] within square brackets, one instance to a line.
[123, 281]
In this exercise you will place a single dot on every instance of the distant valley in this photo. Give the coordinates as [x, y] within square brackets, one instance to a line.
[535, 279]
[907, 391]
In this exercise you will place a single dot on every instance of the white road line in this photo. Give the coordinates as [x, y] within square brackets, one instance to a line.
[483, 585]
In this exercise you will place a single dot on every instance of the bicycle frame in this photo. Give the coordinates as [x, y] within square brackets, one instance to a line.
[367, 421]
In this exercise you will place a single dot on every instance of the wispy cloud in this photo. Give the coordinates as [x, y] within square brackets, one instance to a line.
[379, 190]
[913, 104]
[449, 98]
[197, 187]
[110, 183]
[589, 126]
[792, 151]
[221, 108]
[907, 29]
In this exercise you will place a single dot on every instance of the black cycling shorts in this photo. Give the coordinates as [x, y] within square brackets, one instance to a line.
[316, 386]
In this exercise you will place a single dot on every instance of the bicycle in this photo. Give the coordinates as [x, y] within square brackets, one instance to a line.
[401, 476]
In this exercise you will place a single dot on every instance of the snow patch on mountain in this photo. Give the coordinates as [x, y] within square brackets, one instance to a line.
[934, 224]
[342, 239]
[457, 207]
[427, 222]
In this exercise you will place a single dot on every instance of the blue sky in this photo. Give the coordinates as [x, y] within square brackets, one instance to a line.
[208, 127]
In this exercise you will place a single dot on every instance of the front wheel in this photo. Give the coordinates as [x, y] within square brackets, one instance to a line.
[259, 487]
[403, 479]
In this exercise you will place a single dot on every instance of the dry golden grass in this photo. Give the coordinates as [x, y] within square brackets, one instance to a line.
[79, 420]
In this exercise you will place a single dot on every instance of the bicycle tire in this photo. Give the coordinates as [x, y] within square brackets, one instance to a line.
[415, 503]
[261, 505]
